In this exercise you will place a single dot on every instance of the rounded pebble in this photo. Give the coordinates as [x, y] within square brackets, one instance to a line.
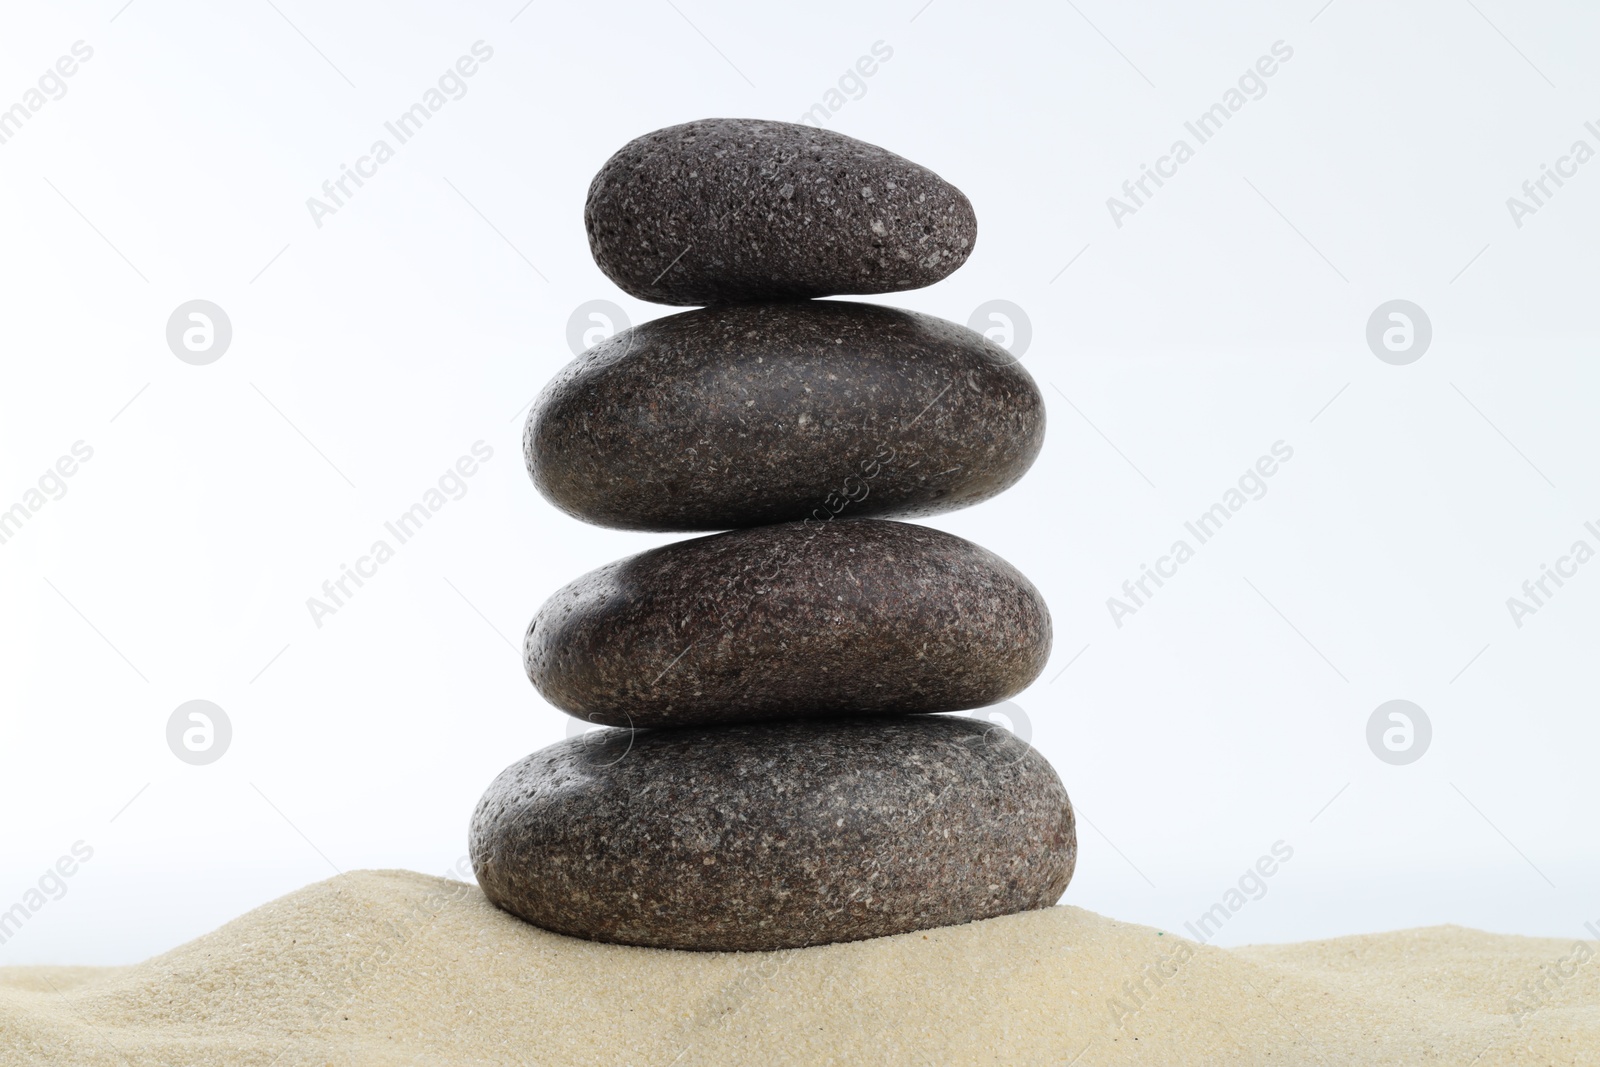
[798, 620]
[734, 210]
[756, 414]
[775, 836]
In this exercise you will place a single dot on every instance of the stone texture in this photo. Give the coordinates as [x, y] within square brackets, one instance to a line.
[733, 210]
[797, 620]
[777, 835]
[755, 414]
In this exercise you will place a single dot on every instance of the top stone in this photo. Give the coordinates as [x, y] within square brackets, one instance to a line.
[738, 210]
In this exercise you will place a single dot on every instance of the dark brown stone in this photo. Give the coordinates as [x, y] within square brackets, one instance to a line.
[755, 414]
[776, 835]
[798, 620]
[733, 210]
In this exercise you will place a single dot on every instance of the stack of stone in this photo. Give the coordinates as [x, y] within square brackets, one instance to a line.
[772, 775]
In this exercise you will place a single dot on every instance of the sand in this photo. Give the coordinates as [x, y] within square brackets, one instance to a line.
[392, 967]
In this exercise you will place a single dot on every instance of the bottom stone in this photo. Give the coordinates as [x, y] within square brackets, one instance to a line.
[775, 835]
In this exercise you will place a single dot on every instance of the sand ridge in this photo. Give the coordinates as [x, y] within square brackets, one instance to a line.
[393, 967]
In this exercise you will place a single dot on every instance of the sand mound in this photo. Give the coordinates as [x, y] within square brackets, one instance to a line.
[391, 967]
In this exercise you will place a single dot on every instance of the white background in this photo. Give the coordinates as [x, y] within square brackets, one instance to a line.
[1222, 317]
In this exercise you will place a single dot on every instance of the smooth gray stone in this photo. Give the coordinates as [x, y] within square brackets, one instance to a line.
[798, 620]
[732, 210]
[775, 836]
[755, 414]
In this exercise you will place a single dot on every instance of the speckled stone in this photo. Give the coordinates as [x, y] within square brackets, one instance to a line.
[763, 413]
[730, 210]
[777, 835]
[798, 620]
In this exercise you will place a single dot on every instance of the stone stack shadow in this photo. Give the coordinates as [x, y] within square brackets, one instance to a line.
[775, 773]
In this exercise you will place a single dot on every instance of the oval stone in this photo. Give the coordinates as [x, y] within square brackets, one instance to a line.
[775, 836]
[731, 210]
[798, 620]
[755, 414]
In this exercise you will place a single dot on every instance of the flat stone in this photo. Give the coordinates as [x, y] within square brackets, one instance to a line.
[730, 210]
[775, 836]
[754, 414]
[798, 620]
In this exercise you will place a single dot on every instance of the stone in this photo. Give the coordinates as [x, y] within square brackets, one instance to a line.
[736, 210]
[771, 836]
[755, 414]
[796, 620]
